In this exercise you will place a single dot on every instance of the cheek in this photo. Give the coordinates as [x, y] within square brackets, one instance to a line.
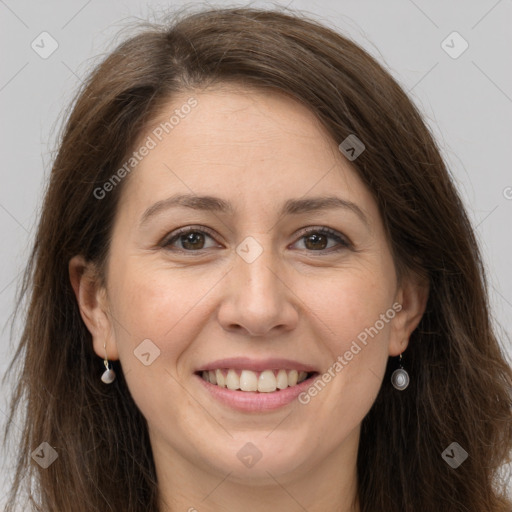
[351, 302]
[354, 342]
[164, 306]
[355, 314]
[155, 320]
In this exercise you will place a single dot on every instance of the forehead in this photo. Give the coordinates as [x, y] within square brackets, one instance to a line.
[251, 145]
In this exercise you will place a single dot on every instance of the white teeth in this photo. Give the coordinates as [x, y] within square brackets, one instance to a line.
[232, 380]
[248, 381]
[282, 379]
[264, 382]
[267, 382]
[221, 380]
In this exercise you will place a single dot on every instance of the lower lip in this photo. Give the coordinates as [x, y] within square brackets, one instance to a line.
[253, 401]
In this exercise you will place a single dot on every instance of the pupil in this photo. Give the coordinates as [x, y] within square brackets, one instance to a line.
[191, 239]
[318, 241]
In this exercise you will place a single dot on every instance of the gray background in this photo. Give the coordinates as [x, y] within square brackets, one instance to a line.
[467, 101]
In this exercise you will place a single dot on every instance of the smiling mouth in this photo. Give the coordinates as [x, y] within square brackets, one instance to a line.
[267, 381]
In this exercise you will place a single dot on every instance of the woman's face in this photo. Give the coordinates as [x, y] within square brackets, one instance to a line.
[282, 270]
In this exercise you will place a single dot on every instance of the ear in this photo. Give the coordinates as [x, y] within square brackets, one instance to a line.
[93, 304]
[412, 295]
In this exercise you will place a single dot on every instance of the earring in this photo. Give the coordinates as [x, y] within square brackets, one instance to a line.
[400, 377]
[108, 375]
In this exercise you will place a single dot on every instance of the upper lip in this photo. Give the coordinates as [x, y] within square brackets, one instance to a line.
[257, 365]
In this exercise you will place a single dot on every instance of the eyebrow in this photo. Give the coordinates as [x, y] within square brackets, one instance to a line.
[216, 204]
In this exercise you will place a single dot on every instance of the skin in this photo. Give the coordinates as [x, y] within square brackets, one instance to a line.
[297, 300]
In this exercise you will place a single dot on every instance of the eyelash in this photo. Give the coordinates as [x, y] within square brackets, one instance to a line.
[342, 241]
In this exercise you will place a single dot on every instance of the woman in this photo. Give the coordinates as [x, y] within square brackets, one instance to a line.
[254, 285]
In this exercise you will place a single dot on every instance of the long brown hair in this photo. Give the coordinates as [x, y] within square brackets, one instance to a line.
[460, 389]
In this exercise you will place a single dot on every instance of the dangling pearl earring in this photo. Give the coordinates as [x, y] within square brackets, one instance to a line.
[108, 375]
[400, 377]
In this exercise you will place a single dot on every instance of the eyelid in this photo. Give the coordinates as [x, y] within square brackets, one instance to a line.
[343, 240]
[321, 229]
[174, 235]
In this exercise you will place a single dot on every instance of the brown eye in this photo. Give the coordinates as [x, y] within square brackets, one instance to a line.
[189, 240]
[323, 240]
[192, 240]
[315, 241]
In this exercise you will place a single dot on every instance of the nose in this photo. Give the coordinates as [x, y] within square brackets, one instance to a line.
[258, 301]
